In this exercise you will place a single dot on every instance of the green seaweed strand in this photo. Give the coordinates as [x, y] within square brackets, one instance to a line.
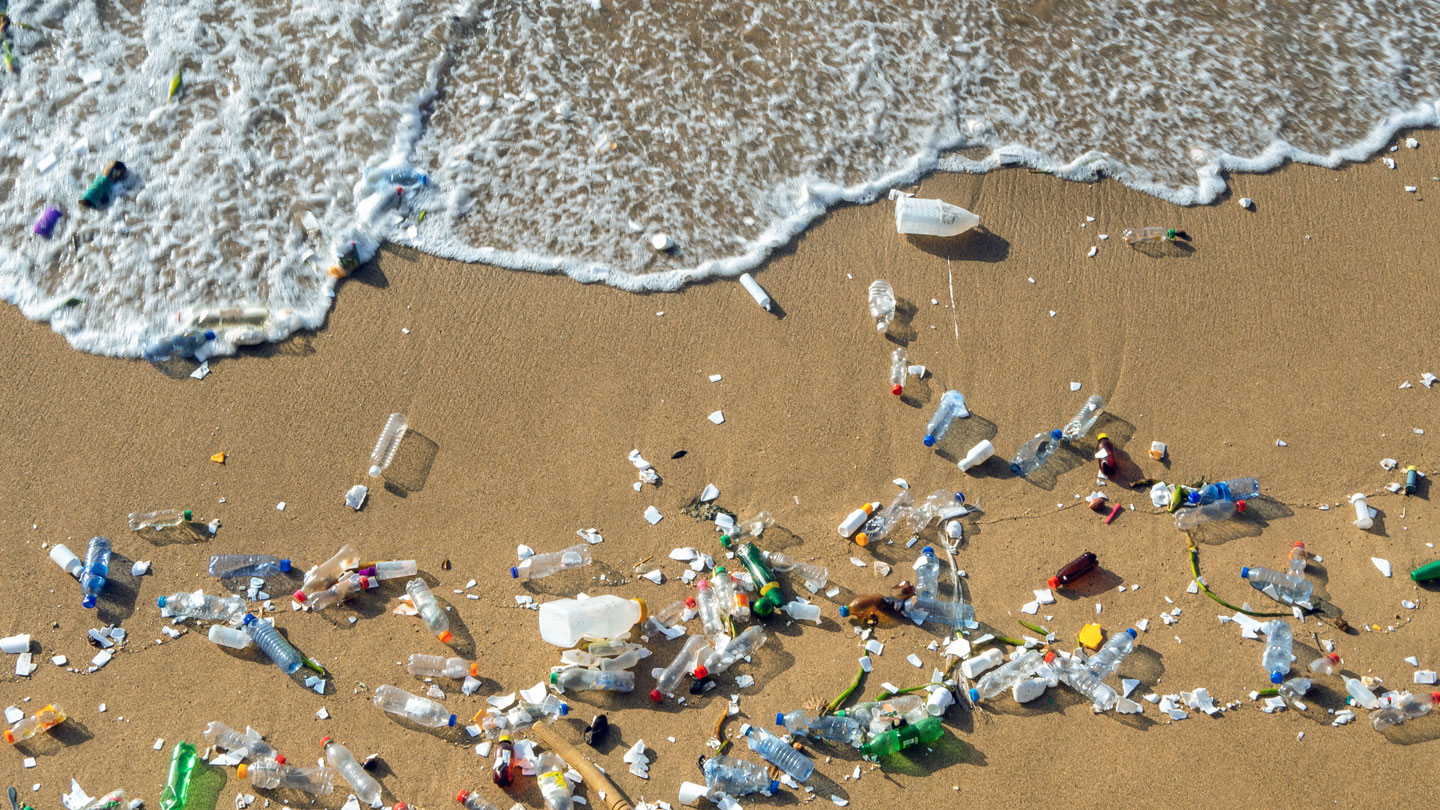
[844, 696]
[1195, 570]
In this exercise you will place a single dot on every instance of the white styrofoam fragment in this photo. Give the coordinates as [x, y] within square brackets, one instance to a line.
[652, 515]
[709, 494]
[1382, 564]
[1426, 676]
[1044, 596]
[874, 647]
[1127, 686]
[914, 660]
[717, 417]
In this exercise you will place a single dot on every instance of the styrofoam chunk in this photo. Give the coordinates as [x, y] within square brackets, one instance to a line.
[653, 515]
[716, 417]
[1382, 564]
[710, 493]
[1028, 689]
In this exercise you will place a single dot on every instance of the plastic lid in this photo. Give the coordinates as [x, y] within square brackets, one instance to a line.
[1334, 657]
[844, 611]
[209, 334]
[161, 601]
[452, 721]
[300, 597]
[242, 770]
[1049, 656]
[775, 783]
[763, 608]
[460, 797]
[929, 440]
[690, 602]
[862, 539]
[928, 550]
[702, 585]
[187, 514]
[656, 696]
[1056, 434]
[280, 758]
[1239, 506]
[1244, 572]
[474, 669]
[284, 566]
[725, 540]
[554, 677]
[896, 389]
[88, 601]
[1131, 631]
[1276, 676]
[1102, 436]
[974, 695]
[1298, 544]
[514, 572]
[564, 709]
[1053, 582]
[325, 741]
[779, 719]
[719, 569]
[446, 636]
[701, 673]
[644, 609]
[1192, 497]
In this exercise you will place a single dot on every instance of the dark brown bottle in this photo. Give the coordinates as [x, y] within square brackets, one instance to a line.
[1108, 464]
[1073, 570]
[504, 769]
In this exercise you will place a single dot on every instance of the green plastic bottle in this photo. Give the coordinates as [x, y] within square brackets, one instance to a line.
[1426, 572]
[770, 597]
[177, 787]
[896, 739]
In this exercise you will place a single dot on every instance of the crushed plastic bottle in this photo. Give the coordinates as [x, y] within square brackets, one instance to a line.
[1361, 502]
[880, 524]
[1327, 664]
[942, 504]
[737, 777]
[322, 576]
[390, 437]
[749, 527]
[834, 728]
[203, 606]
[1007, 675]
[1288, 587]
[249, 745]
[1195, 516]
[708, 607]
[366, 788]
[1276, 658]
[878, 716]
[623, 660]
[951, 407]
[272, 773]
[225, 566]
[436, 666]
[95, 572]
[1238, 489]
[183, 760]
[550, 776]
[953, 612]
[752, 639]
[1105, 661]
[667, 678]
[895, 740]
[778, 752]
[391, 569]
[270, 642]
[414, 708]
[1148, 234]
[1292, 690]
[539, 566]
[579, 679]
[814, 576]
[474, 801]
[502, 770]
[185, 343]
[43, 720]
[343, 590]
[1034, 453]
[430, 611]
[1084, 419]
[881, 300]
[897, 371]
[564, 622]
[162, 519]
[1402, 707]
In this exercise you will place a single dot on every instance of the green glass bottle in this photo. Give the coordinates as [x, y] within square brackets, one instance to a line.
[770, 597]
[177, 787]
[1426, 572]
[896, 739]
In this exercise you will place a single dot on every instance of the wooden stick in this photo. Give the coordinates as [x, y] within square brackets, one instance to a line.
[614, 799]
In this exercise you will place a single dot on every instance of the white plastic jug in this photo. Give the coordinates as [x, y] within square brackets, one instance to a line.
[930, 217]
[565, 622]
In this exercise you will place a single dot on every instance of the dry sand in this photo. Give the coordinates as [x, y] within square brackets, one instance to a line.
[1297, 321]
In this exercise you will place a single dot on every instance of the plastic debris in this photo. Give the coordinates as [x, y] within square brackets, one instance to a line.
[652, 515]
[354, 497]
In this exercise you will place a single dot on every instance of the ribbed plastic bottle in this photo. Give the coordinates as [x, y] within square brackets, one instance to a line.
[927, 573]
[667, 678]
[950, 408]
[539, 566]
[1006, 675]
[248, 745]
[708, 606]
[752, 639]
[1278, 642]
[778, 752]
[577, 679]
[436, 666]
[895, 740]
[159, 519]
[414, 708]
[96, 571]
[1187, 519]
[1107, 659]
[366, 788]
[430, 611]
[737, 777]
[390, 437]
[881, 300]
[1237, 489]
[1290, 588]
[550, 776]
[271, 773]
[247, 565]
[270, 642]
[814, 576]
[830, 727]
[200, 605]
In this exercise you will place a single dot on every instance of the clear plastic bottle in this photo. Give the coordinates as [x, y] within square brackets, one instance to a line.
[898, 363]
[405, 176]
[578, 679]
[430, 611]
[270, 642]
[247, 565]
[414, 708]
[752, 639]
[96, 571]
[1238, 489]
[1006, 675]
[162, 519]
[880, 524]
[271, 773]
[927, 573]
[814, 576]
[749, 527]
[248, 745]
[539, 566]
[390, 437]
[942, 504]
[667, 678]
[951, 407]
[436, 666]
[233, 637]
[613, 647]
[43, 720]
[1078, 674]
[564, 622]
[737, 777]
[898, 739]
[474, 801]
[953, 612]
[1298, 559]
[1034, 453]
[1327, 664]
[778, 752]
[1084, 418]
[1288, 587]
[1402, 707]
[184, 343]
[392, 569]
[343, 590]
[879, 715]
[1148, 234]
[709, 608]
[1361, 694]
[1107, 659]
[1278, 642]
[834, 728]
[366, 788]
[322, 576]
[1292, 690]
[200, 605]
[732, 602]
[1187, 519]
[882, 304]
[550, 776]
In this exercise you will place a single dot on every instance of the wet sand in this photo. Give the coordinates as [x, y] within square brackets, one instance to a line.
[1297, 321]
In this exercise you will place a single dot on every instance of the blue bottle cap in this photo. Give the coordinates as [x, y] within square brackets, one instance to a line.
[452, 721]
[209, 334]
[1276, 676]
[960, 497]
[1244, 572]
[774, 785]
[929, 440]
[514, 572]
[249, 619]
[284, 566]
[779, 719]
[1193, 497]
[928, 550]
[844, 611]
[974, 696]
[1131, 631]
[564, 709]
[1056, 434]
[161, 601]
[88, 602]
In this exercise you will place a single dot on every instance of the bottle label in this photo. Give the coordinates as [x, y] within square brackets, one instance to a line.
[556, 778]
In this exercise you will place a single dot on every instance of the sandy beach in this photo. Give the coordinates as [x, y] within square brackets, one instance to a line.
[1297, 321]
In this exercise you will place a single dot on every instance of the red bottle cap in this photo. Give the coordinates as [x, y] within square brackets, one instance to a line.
[690, 602]
[300, 597]
[896, 389]
[280, 758]
[325, 742]
[1239, 506]
[1053, 582]
[1298, 543]
[656, 696]
[460, 797]
[701, 672]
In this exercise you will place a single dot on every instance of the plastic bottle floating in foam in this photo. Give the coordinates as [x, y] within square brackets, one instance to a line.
[390, 437]
[930, 217]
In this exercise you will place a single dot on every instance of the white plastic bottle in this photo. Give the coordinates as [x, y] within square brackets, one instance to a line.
[390, 437]
[930, 217]
[232, 637]
[978, 455]
[366, 788]
[853, 521]
[1362, 510]
[564, 622]
[1278, 642]
[1361, 694]
[882, 304]
[62, 556]
[414, 708]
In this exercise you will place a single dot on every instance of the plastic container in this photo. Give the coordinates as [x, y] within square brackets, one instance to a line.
[390, 437]
[977, 455]
[1074, 570]
[578, 679]
[61, 555]
[880, 524]
[392, 569]
[1007, 675]
[737, 777]
[1298, 560]
[941, 504]
[248, 745]
[233, 637]
[1278, 642]
[778, 752]
[270, 642]
[951, 407]
[897, 371]
[343, 590]
[814, 576]
[834, 728]
[474, 801]
[1327, 664]
[161, 519]
[1148, 234]
[752, 639]
[668, 678]
[183, 760]
[895, 740]
[564, 622]
[708, 607]
[439, 666]
[539, 566]
[1289, 588]
[366, 788]
[853, 521]
[1362, 511]
[274, 774]
[43, 720]
[200, 605]
[881, 300]
[247, 565]
[414, 708]
[95, 572]
[924, 217]
[1033, 454]
[550, 776]
[1237, 489]
[430, 611]
[185, 343]
[1195, 516]
[322, 576]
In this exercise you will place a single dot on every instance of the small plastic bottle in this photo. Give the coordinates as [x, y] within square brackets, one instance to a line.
[927, 573]
[322, 576]
[834, 728]
[1238, 489]
[539, 566]
[814, 576]
[414, 708]
[270, 642]
[1412, 479]
[752, 639]
[200, 605]
[430, 611]
[271, 773]
[737, 777]
[474, 801]
[942, 504]
[564, 622]
[43, 720]
[247, 565]
[1293, 689]
[1404, 706]
[366, 788]
[578, 679]
[732, 603]
[853, 521]
[392, 569]
[96, 571]
[709, 608]
[390, 437]
[1298, 559]
[668, 678]
[1276, 658]
[438, 665]
[1074, 570]
[1288, 587]
[1105, 452]
[895, 740]
[1187, 519]
[502, 770]
[550, 776]
[162, 519]
[61, 555]
[233, 637]
[250, 744]
[778, 752]
[977, 455]
[882, 304]
[1327, 664]
[1148, 234]
[1362, 510]
[1034, 453]
[1084, 418]
[183, 760]
[897, 371]
[1006, 675]
[1105, 661]
[343, 590]
[951, 407]
[1361, 694]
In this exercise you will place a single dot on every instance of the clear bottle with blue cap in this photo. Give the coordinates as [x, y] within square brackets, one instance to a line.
[778, 752]
[1288, 587]
[414, 708]
[274, 645]
[951, 407]
[1277, 656]
[95, 572]
[1108, 658]
[737, 777]
[1236, 489]
[1033, 454]
[247, 565]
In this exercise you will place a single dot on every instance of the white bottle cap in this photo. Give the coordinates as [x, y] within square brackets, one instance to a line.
[15, 644]
[66, 559]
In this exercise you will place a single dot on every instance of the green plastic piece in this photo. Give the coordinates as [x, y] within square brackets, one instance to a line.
[897, 739]
[1426, 572]
[177, 787]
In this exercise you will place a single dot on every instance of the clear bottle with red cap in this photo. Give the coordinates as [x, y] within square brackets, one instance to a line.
[1074, 570]
[897, 371]
[271, 773]
[1327, 664]
[668, 677]
[366, 788]
[429, 609]
[1404, 706]
[708, 605]
[436, 666]
[343, 590]
[474, 801]
[1195, 516]
[1298, 559]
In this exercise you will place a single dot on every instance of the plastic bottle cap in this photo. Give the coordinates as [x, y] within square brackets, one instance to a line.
[280, 758]
[701, 673]
[474, 669]
[325, 741]
[1131, 631]
[928, 550]
[690, 602]
[775, 783]
[88, 602]
[242, 770]
[862, 539]
[460, 797]
[779, 719]
[725, 540]
[1276, 677]
[514, 572]
[1101, 436]
[974, 695]
[1299, 544]
[656, 696]
[1053, 582]
[896, 389]
[844, 611]
[644, 610]
[554, 677]
[1056, 434]
[161, 601]
[929, 440]
[300, 597]
[1239, 506]
[1244, 572]
[452, 721]
[446, 636]
[1192, 497]
[284, 566]
[564, 709]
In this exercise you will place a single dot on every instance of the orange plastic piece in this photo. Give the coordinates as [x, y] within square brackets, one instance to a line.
[218, 458]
